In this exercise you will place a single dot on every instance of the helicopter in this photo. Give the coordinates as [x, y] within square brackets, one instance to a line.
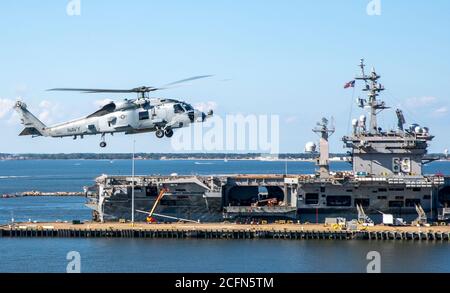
[129, 116]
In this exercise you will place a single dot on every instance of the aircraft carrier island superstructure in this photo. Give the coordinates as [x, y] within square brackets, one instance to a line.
[387, 177]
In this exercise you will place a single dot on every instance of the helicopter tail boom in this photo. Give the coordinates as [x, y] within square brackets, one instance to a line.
[33, 126]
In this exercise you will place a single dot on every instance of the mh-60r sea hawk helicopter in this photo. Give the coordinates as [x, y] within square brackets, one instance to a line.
[140, 115]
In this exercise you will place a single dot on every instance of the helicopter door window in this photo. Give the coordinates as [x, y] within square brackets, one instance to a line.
[178, 109]
[144, 115]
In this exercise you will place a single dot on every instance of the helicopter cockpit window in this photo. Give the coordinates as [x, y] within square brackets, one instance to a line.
[188, 107]
[144, 115]
[178, 109]
[109, 108]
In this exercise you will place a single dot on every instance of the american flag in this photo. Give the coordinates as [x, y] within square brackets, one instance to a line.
[350, 84]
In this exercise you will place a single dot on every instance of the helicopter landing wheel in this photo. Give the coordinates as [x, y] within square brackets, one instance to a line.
[159, 133]
[103, 144]
[168, 133]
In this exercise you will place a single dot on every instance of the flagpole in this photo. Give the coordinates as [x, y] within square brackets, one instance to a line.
[132, 184]
[351, 110]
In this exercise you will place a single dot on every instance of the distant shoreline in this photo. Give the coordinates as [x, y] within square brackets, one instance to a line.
[291, 157]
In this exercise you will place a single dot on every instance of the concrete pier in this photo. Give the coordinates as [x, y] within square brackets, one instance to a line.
[224, 231]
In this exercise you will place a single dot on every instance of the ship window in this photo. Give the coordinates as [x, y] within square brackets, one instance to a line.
[411, 202]
[168, 202]
[312, 198]
[151, 191]
[349, 190]
[365, 202]
[382, 197]
[396, 189]
[417, 189]
[180, 190]
[144, 115]
[427, 197]
[339, 201]
[396, 204]
[322, 189]
[382, 189]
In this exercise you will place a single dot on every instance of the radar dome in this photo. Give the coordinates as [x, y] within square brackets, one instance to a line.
[310, 147]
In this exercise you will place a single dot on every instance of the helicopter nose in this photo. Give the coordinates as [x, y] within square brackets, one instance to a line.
[204, 116]
[192, 116]
[198, 116]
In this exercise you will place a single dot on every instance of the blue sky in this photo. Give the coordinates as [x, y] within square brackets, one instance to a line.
[287, 58]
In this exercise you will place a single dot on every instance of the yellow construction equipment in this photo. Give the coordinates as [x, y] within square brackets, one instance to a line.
[150, 218]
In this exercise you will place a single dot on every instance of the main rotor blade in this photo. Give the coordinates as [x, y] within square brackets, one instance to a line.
[144, 89]
[186, 80]
[91, 91]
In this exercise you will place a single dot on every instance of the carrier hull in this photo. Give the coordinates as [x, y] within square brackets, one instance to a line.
[234, 197]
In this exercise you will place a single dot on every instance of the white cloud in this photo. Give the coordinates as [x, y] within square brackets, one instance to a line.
[420, 102]
[101, 103]
[45, 104]
[48, 111]
[6, 106]
[14, 119]
[21, 90]
[441, 111]
[291, 119]
[206, 106]
[427, 105]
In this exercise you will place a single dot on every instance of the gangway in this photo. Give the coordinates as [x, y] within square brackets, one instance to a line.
[362, 216]
[422, 216]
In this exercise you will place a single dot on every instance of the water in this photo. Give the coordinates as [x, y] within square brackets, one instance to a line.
[184, 256]
[72, 175]
[162, 255]
[43, 209]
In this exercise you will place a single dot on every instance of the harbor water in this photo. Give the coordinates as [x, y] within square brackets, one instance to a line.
[167, 255]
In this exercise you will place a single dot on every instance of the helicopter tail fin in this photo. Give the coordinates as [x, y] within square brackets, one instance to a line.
[33, 126]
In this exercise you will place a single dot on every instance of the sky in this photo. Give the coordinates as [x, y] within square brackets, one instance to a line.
[284, 58]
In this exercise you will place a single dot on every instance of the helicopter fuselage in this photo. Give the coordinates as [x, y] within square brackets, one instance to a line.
[128, 116]
[129, 121]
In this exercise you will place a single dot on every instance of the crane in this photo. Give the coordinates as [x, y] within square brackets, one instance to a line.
[151, 219]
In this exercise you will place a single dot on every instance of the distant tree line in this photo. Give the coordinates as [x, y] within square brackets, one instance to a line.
[168, 156]
[154, 156]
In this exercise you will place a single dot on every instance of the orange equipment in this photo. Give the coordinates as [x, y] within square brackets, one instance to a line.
[150, 218]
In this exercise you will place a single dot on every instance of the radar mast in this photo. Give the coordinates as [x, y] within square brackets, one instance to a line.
[373, 89]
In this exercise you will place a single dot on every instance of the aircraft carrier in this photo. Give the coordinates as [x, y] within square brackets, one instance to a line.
[387, 177]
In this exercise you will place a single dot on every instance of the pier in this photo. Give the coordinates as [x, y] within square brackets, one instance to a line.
[224, 231]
